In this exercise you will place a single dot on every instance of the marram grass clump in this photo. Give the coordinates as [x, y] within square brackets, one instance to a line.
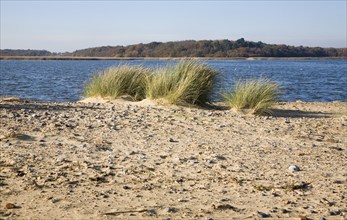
[253, 96]
[186, 83]
[117, 81]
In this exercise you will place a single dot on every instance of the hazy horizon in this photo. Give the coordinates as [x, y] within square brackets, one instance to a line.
[60, 26]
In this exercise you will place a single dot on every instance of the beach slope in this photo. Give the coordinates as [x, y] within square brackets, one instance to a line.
[126, 160]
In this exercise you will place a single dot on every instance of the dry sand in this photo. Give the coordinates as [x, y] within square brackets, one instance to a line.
[125, 160]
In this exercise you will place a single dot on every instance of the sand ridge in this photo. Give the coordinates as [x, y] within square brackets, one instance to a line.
[128, 160]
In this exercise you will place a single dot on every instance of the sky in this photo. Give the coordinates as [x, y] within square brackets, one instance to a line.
[59, 26]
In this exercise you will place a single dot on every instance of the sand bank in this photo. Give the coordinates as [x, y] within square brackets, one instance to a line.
[124, 160]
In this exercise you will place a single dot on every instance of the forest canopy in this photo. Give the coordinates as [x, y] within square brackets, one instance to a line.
[191, 48]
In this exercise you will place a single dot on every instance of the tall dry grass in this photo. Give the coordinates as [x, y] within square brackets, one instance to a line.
[189, 82]
[117, 81]
[254, 96]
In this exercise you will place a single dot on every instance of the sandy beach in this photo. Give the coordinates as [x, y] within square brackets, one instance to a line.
[140, 160]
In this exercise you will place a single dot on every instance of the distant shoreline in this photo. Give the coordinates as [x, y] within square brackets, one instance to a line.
[164, 58]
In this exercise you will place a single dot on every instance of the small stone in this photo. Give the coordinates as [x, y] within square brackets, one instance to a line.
[126, 187]
[225, 207]
[132, 152]
[284, 211]
[61, 159]
[322, 218]
[208, 218]
[172, 140]
[113, 127]
[10, 206]
[55, 200]
[303, 217]
[263, 215]
[275, 194]
[180, 180]
[335, 212]
[211, 162]
[163, 156]
[7, 145]
[170, 209]
[294, 168]
[64, 116]
[36, 129]
[151, 212]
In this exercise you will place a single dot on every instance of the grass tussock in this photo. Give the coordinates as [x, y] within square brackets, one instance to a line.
[188, 82]
[117, 81]
[253, 96]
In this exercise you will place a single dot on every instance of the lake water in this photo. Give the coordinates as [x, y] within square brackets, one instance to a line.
[63, 80]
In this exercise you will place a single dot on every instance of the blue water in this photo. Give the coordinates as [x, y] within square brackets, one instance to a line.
[63, 80]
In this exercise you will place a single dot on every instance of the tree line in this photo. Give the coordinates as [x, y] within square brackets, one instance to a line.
[191, 48]
[9, 52]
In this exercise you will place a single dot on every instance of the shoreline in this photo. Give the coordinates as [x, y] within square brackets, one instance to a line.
[99, 159]
[125, 99]
[164, 58]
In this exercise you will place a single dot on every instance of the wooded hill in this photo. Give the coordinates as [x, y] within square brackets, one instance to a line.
[8, 52]
[192, 48]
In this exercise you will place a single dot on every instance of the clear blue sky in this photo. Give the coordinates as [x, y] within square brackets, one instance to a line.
[70, 25]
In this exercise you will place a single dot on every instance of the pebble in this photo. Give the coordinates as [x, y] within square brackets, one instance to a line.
[303, 217]
[336, 212]
[7, 145]
[225, 207]
[126, 187]
[172, 140]
[274, 194]
[294, 168]
[208, 218]
[151, 212]
[10, 206]
[263, 215]
[61, 159]
[170, 209]
[284, 211]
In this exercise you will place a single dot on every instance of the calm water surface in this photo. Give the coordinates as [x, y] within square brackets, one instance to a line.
[63, 80]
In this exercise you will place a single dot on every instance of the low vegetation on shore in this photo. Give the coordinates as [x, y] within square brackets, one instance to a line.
[255, 96]
[117, 81]
[188, 82]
